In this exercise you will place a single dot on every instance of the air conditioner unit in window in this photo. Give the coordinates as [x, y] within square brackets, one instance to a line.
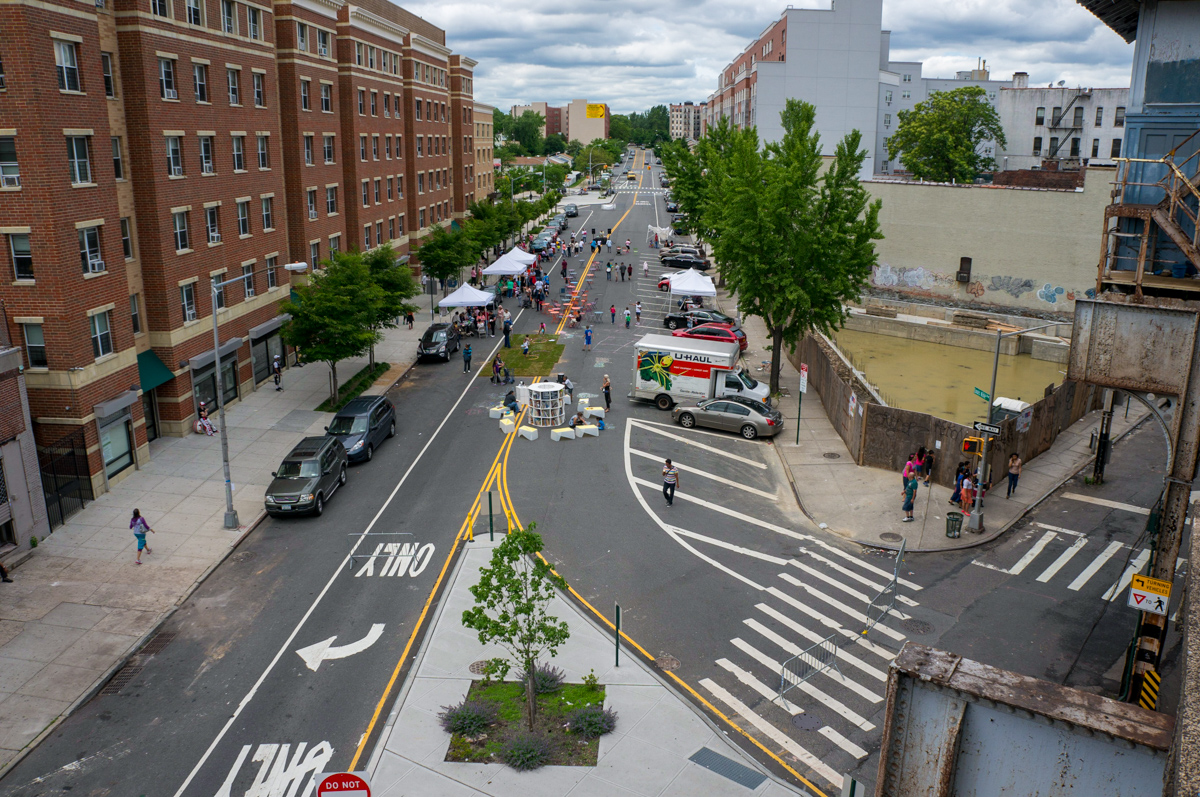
[214, 237]
[96, 265]
[1, 81]
[10, 180]
[312, 215]
[170, 94]
[176, 171]
[323, 51]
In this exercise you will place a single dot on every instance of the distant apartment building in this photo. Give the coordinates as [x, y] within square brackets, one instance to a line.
[571, 121]
[1066, 127]
[200, 142]
[685, 120]
[484, 144]
[552, 116]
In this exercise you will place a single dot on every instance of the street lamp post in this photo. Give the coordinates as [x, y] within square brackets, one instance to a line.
[975, 522]
[231, 516]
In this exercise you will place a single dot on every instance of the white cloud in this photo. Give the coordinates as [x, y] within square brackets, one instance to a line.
[633, 55]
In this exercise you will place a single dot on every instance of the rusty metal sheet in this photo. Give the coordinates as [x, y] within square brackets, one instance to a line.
[1132, 346]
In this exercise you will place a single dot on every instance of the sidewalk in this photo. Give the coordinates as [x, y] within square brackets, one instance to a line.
[79, 606]
[649, 753]
[862, 504]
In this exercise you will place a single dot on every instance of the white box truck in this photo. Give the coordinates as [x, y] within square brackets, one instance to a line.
[669, 369]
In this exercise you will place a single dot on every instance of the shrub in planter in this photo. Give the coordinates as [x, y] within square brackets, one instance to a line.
[469, 718]
[592, 721]
[526, 751]
[546, 679]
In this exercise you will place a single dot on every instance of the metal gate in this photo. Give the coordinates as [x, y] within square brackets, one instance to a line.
[66, 482]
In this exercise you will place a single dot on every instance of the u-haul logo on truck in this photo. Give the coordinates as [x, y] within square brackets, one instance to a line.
[663, 367]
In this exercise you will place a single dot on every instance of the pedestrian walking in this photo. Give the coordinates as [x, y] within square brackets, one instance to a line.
[612, 311]
[491, 324]
[630, 268]
[606, 389]
[645, 268]
[670, 482]
[608, 271]
[139, 526]
[637, 311]
[570, 386]
[542, 328]
[627, 317]
[621, 271]
[525, 346]
[587, 338]
[467, 359]
[507, 333]
[1014, 472]
[277, 372]
[408, 317]
[910, 494]
[608, 244]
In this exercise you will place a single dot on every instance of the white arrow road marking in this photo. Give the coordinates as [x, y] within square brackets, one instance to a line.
[313, 655]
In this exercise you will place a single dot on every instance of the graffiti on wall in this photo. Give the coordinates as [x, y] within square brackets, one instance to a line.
[1013, 286]
[887, 276]
[1051, 293]
[923, 279]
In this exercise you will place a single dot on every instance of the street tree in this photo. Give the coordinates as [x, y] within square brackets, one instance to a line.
[794, 239]
[554, 144]
[397, 286]
[511, 600]
[943, 138]
[527, 129]
[445, 253]
[574, 147]
[336, 314]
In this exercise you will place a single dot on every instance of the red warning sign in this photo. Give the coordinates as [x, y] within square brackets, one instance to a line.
[343, 784]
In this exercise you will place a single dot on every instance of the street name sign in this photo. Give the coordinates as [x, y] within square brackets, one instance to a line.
[1150, 594]
[982, 394]
[343, 784]
[980, 426]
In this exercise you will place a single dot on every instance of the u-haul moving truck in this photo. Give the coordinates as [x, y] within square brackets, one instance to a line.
[669, 369]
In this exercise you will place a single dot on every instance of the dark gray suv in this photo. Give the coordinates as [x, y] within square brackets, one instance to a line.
[363, 424]
[307, 477]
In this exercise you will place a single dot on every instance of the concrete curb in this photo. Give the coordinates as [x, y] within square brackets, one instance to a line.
[100, 682]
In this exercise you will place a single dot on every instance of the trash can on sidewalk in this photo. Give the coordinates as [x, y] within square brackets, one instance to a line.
[954, 522]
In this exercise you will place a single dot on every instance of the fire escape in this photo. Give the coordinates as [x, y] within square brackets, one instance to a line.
[1064, 133]
[1158, 247]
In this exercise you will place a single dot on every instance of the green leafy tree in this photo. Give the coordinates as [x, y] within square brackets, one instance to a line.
[556, 176]
[397, 285]
[501, 124]
[506, 153]
[793, 243]
[574, 147]
[554, 144]
[942, 138]
[336, 315]
[620, 128]
[527, 129]
[511, 601]
[445, 253]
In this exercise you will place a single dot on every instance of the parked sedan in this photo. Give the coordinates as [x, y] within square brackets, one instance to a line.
[685, 261]
[672, 207]
[725, 333]
[440, 340]
[675, 321]
[681, 250]
[748, 417]
[571, 210]
[307, 477]
[363, 424]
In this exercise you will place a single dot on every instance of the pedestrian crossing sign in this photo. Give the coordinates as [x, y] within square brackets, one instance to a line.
[1149, 594]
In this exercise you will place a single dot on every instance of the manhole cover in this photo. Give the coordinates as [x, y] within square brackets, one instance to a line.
[478, 667]
[831, 455]
[890, 536]
[668, 663]
[918, 627]
[807, 722]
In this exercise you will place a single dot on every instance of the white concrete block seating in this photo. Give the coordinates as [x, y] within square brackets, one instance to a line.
[507, 424]
[566, 433]
[528, 432]
[497, 412]
[593, 412]
[587, 428]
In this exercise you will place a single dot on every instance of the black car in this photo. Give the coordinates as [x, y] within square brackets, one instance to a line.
[570, 211]
[363, 424]
[307, 477]
[686, 261]
[440, 340]
[672, 207]
[679, 320]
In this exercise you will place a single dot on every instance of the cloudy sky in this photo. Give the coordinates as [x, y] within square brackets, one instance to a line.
[634, 54]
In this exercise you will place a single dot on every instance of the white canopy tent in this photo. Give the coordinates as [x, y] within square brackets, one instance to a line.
[520, 256]
[506, 265]
[466, 296]
[663, 233]
[692, 283]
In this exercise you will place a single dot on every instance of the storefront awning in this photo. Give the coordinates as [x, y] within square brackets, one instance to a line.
[207, 358]
[152, 372]
[262, 330]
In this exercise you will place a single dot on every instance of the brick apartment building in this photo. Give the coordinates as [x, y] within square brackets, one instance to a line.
[205, 140]
[485, 143]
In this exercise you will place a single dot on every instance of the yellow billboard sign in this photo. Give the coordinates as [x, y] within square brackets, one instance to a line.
[595, 110]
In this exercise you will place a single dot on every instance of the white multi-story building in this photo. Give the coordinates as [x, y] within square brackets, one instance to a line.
[685, 120]
[1066, 125]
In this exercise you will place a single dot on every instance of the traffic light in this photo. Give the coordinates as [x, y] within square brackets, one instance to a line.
[973, 445]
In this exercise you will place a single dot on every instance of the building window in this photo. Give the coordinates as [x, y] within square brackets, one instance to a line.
[331, 199]
[212, 224]
[110, 87]
[396, 104]
[362, 148]
[101, 334]
[392, 229]
[887, 96]
[228, 16]
[362, 100]
[1055, 115]
[370, 57]
[389, 188]
[200, 82]
[417, 108]
[1099, 116]
[374, 103]
[387, 147]
[387, 105]
[268, 213]
[78, 159]
[239, 153]
[252, 17]
[206, 155]
[375, 147]
[35, 346]
[887, 120]
[118, 163]
[400, 224]
[127, 238]
[1115, 152]
[1095, 147]
[328, 149]
[264, 161]
[301, 36]
[248, 279]
[314, 255]
[311, 194]
[260, 90]
[421, 184]
[420, 146]
[1077, 118]
[22, 256]
[166, 79]
[1037, 145]
[10, 168]
[335, 243]
[135, 316]
[218, 292]
[243, 217]
[187, 298]
[421, 219]
[272, 279]
[326, 98]
[308, 150]
[323, 43]
[1053, 146]
[377, 191]
[232, 78]
[174, 156]
[1119, 119]
[367, 236]
[1039, 117]
[366, 193]
[304, 105]
[90, 256]
[906, 95]
[180, 224]
[158, 8]
[194, 16]
[66, 61]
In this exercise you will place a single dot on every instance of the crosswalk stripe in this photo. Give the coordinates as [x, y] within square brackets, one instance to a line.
[1090, 499]
[1032, 553]
[829, 672]
[814, 638]
[842, 742]
[711, 449]
[833, 582]
[828, 622]
[859, 578]
[1062, 559]
[1094, 567]
[834, 705]
[706, 474]
[1060, 530]
[758, 686]
[864, 565]
[766, 557]
[778, 736]
[1135, 566]
[862, 618]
